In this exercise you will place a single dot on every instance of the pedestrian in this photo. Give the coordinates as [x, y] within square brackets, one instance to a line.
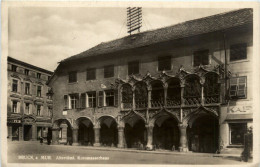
[41, 140]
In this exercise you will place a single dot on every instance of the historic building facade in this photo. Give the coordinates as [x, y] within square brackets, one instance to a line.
[29, 108]
[183, 87]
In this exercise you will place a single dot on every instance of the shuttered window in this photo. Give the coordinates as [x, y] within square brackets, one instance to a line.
[66, 104]
[116, 98]
[83, 100]
[164, 63]
[238, 52]
[201, 57]
[133, 67]
[91, 74]
[109, 71]
[238, 87]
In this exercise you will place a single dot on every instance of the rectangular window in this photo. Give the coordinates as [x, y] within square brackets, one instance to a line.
[49, 111]
[91, 99]
[201, 57]
[72, 76]
[238, 52]
[109, 71]
[38, 75]
[27, 88]
[27, 108]
[14, 68]
[38, 108]
[26, 72]
[133, 67]
[164, 63]
[15, 85]
[91, 74]
[15, 107]
[110, 98]
[39, 91]
[238, 88]
[237, 131]
[74, 101]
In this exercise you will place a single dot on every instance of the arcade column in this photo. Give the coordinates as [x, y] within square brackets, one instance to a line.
[149, 130]
[97, 136]
[75, 137]
[120, 137]
[183, 138]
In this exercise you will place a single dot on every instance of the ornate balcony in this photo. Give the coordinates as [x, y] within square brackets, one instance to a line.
[157, 103]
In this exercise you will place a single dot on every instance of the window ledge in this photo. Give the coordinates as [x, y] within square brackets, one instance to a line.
[72, 83]
[238, 61]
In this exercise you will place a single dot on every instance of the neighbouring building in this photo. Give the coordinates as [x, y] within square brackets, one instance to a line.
[29, 101]
[186, 87]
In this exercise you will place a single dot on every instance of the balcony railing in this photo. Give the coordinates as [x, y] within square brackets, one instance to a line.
[157, 103]
[141, 104]
[173, 102]
[192, 100]
[212, 99]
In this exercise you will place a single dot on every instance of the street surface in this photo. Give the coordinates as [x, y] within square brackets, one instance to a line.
[34, 152]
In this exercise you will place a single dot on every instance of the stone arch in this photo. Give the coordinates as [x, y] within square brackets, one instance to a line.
[85, 130]
[64, 133]
[129, 118]
[108, 130]
[166, 132]
[203, 131]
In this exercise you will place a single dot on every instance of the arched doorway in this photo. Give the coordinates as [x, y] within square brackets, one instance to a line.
[65, 131]
[203, 134]
[166, 133]
[135, 134]
[108, 131]
[85, 132]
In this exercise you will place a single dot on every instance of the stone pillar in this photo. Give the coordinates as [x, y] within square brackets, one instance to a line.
[120, 131]
[202, 95]
[149, 130]
[55, 136]
[182, 94]
[75, 137]
[97, 136]
[34, 132]
[165, 88]
[183, 138]
[133, 99]
[149, 98]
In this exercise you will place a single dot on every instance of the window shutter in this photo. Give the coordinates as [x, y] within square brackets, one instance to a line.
[116, 98]
[66, 102]
[100, 99]
[83, 100]
[78, 101]
[241, 92]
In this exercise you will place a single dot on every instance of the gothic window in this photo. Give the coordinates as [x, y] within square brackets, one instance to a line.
[164, 63]
[238, 52]
[192, 91]
[127, 96]
[174, 93]
[201, 57]
[211, 88]
[141, 95]
[157, 95]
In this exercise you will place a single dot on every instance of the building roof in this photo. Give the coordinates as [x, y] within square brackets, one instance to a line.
[13, 60]
[186, 29]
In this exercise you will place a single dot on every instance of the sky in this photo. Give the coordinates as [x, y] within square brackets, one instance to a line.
[43, 36]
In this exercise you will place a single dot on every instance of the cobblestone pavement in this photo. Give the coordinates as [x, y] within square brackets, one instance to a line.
[34, 152]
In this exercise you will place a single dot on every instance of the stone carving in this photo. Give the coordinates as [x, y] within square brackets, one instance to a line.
[148, 78]
[133, 79]
[164, 77]
[200, 70]
[182, 73]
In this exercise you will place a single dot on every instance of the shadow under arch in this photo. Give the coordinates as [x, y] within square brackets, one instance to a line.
[65, 130]
[85, 131]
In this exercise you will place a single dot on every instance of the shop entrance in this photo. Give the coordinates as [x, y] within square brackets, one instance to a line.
[27, 132]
